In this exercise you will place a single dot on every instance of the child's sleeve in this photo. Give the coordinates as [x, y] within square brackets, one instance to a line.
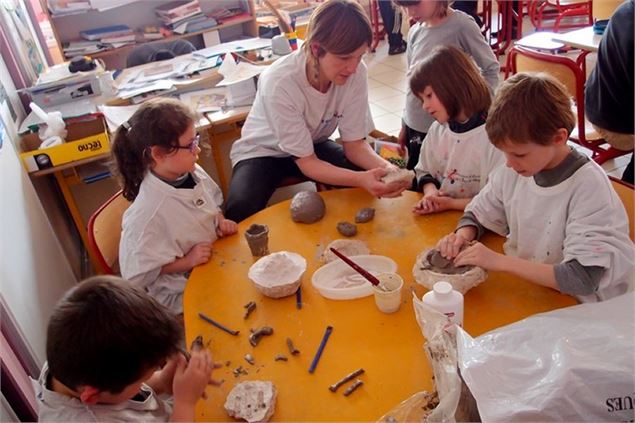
[427, 164]
[488, 207]
[473, 43]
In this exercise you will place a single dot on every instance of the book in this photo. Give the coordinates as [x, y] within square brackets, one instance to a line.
[106, 31]
[119, 39]
[201, 26]
[178, 9]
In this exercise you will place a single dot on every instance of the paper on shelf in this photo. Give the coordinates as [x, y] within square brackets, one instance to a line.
[234, 73]
[202, 101]
[238, 45]
[116, 115]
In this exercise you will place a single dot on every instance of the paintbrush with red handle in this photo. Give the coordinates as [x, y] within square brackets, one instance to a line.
[365, 273]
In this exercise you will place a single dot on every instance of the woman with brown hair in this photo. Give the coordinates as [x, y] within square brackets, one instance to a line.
[301, 100]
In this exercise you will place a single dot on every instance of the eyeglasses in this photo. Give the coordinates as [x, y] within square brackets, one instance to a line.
[191, 146]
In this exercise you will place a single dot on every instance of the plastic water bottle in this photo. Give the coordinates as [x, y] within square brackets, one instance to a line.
[446, 300]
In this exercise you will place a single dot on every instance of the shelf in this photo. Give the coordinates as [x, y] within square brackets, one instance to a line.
[236, 22]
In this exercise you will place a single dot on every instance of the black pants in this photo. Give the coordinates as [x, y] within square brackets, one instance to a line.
[392, 27]
[414, 139]
[254, 180]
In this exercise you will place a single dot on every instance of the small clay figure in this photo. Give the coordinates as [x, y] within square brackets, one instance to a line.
[345, 379]
[347, 228]
[292, 349]
[307, 207]
[249, 308]
[365, 215]
[352, 388]
[257, 334]
[280, 357]
[257, 237]
[250, 359]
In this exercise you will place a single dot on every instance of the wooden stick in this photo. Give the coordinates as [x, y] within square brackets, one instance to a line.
[366, 274]
[282, 22]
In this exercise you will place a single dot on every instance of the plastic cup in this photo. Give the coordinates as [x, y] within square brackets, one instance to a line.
[258, 239]
[388, 300]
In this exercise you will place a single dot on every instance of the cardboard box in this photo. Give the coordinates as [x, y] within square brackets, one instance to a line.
[86, 138]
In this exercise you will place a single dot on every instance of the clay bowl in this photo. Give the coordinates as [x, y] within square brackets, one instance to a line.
[461, 282]
[278, 274]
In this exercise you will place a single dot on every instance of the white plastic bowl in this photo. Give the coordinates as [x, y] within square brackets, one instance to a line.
[278, 274]
[338, 281]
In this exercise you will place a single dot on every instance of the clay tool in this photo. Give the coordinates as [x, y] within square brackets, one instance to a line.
[320, 349]
[218, 325]
[366, 274]
[298, 298]
[345, 379]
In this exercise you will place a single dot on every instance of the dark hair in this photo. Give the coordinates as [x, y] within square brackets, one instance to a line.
[529, 108]
[158, 122]
[107, 334]
[455, 79]
[339, 27]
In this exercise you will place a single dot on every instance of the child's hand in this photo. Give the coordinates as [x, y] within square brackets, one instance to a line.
[161, 380]
[190, 379]
[479, 255]
[226, 227]
[450, 245]
[433, 204]
[199, 254]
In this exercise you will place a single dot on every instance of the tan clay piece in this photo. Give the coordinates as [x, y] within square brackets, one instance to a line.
[348, 247]
[253, 401]
[365, 215]
[347, 228]
[292, 349]
[430, 268]
[249, 308]
[398, 175]
[256, 334]
[307, 207]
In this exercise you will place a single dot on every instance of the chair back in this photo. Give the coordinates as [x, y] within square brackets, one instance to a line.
[104, 233]
[626, 193]
[154, 52]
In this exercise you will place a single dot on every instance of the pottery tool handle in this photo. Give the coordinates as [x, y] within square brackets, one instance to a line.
[366, 274]
[320, 349]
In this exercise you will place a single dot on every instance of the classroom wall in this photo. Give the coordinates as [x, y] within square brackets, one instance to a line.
[34, 271]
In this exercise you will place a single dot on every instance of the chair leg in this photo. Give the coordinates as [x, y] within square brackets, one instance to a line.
[608, 154]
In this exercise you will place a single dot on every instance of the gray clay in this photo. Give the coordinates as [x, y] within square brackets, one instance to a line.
[439, 264]
[257, 237]
[365, 215]
[307, 207]
[347, 228]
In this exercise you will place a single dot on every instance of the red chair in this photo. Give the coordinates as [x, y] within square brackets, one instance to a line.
[542, 10]
[377, 25]
[104, 233]
[571, 75]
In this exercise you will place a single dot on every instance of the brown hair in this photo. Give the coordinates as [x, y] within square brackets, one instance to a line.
[107, 334]
[529, 107]
[158, 122]
[440, 11]
[338, 27]
[455, 79]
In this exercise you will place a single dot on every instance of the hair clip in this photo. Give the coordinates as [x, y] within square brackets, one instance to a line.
[126, 125]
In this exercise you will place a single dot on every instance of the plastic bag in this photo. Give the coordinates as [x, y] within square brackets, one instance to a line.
[573, 364]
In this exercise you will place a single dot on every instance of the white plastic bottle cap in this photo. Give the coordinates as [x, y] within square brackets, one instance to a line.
[442, 288]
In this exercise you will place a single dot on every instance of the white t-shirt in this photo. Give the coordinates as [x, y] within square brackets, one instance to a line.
[289, 115]
[461, 162]
[581, 218]
[55, 407]
[162, 224]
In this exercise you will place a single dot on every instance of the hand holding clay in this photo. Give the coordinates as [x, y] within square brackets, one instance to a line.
[479, 255]
[190, 379]
[371, 181]
[226, 227]
[450, 245]
[199, 254]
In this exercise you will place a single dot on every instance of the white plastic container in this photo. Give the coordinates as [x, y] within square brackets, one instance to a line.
[446, 300]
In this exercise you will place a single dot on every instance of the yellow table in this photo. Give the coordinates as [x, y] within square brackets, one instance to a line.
[388, 346]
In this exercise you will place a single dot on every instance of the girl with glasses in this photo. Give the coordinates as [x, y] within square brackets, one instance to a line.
[175, 214]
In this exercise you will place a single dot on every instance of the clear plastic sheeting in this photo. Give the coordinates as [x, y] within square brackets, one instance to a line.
[572, 364]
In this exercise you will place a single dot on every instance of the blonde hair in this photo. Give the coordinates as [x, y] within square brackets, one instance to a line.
[338, 27]
[455, 80]
[530, 108]
[440, 11]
